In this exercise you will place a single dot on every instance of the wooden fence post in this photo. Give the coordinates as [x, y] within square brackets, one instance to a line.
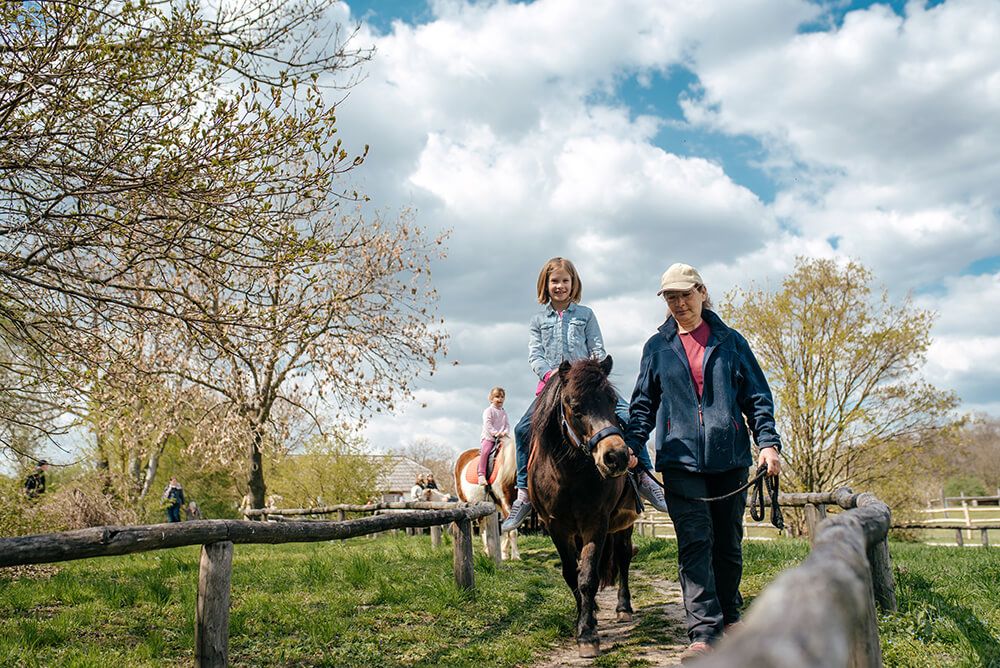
[883, 586]
[813, 517]
[968, 520]
[435, 536]
[211, 629]
[464, 573]
[985, 534]
[491, 527]
[958, 538]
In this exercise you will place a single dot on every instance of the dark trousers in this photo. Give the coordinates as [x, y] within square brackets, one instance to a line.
[709, 547]
[174, 514]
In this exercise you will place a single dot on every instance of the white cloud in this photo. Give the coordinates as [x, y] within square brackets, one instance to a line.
[498, 121]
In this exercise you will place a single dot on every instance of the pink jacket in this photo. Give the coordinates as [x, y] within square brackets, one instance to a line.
[494, 422]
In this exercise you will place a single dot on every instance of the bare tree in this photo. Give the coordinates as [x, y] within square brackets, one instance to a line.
[339, 321]
[145, 140]
[436, 456]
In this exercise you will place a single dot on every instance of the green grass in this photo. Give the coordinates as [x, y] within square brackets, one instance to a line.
[949, 598]
[392, 601]
[386, 602]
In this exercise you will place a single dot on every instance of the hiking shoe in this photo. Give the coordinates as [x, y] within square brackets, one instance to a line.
[695, 650]
[650, 491]
[518, 513]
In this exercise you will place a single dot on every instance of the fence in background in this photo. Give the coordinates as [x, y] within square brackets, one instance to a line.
[217, 538]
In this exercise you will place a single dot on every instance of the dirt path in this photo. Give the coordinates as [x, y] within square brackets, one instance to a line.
[655, 635]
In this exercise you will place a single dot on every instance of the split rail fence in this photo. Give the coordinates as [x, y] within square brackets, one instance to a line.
[822, 612]
[965, 515]
[217, 538]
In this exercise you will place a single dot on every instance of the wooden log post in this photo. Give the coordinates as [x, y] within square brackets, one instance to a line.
[491, 527]
[958, 538]
[883, 585]
[985, 534]
[815, 513]
[211, 629]
[461, 530]
[436, 537]
[968, 519]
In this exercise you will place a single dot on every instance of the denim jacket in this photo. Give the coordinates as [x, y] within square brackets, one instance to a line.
[706, 435]
[553, 339]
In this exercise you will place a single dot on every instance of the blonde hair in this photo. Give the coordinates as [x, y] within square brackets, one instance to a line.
[543, 280]
[497, 392]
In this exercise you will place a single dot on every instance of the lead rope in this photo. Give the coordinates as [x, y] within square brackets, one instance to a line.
[756, 496]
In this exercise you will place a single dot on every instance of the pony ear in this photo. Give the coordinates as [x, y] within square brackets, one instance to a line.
[563, 370]
[606, 364]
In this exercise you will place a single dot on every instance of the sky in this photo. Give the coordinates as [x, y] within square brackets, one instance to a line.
[629, 135]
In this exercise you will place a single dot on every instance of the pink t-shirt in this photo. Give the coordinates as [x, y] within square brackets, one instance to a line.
[694, 343]
[494, 422]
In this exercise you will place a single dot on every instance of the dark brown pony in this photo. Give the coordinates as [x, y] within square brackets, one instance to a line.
[578, 487]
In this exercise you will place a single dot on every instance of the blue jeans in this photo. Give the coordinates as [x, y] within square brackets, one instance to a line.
[522, 441]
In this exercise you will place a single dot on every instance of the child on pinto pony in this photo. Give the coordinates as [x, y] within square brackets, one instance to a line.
[565, 331]
[495, 426]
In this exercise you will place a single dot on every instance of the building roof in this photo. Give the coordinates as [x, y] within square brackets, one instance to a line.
[397, 473]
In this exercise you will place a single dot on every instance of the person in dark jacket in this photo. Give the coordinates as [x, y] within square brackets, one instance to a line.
[34, 484]
[701, 386]
[173, 495]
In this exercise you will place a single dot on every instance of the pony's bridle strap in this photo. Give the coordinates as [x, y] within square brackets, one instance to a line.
[592, 442]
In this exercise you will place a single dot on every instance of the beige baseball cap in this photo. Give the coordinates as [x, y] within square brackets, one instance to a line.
[679, 276]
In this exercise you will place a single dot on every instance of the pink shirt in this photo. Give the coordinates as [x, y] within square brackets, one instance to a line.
[694, 343]
[494, 422]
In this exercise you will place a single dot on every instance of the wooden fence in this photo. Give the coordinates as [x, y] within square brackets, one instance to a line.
[217, 538]
[490, 529]
[822, 612]
[964, 515]
[658, 525]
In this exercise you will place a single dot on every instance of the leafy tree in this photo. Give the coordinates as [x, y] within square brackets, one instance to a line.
[844, 364]
[328, 471]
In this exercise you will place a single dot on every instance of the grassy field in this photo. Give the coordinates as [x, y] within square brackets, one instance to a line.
[392, 602]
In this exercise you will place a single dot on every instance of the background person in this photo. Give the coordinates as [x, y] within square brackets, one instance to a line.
[174, 497]
[34, 484]
[701, 385]
[495, 426]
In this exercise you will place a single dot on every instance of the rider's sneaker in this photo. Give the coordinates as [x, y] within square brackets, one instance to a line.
[482, 480]
[650, 491]
[519, 512]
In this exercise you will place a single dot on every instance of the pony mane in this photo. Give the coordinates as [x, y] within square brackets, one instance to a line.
[584, 377]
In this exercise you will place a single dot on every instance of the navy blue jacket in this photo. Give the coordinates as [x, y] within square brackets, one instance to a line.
[707, 435]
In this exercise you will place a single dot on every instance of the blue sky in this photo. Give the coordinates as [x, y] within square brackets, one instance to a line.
[628, 135]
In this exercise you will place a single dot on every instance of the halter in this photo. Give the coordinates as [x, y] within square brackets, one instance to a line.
[588, 447]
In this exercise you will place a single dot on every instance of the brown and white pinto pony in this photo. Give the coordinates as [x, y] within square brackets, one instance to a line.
[578, 487]
[501, 491]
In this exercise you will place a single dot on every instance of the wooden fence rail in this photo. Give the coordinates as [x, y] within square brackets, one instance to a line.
[217, 538]
[822, 613]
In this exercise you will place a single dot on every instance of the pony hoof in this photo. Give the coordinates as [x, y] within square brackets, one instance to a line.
[624, 617]
[589, 650]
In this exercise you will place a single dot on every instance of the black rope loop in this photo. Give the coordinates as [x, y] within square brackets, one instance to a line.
[757, 505]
